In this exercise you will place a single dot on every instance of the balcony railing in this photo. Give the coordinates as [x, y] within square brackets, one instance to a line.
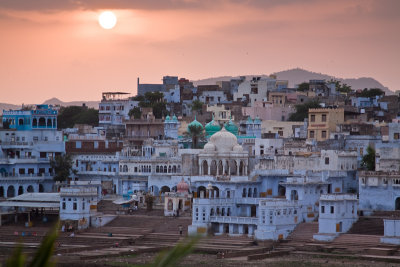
[234, 219]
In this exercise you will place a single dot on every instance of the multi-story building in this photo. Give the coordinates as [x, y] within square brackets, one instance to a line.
[323, 121]
[113, 110]
[29, 140]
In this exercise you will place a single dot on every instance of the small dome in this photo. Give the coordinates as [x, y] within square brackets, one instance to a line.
[194, 123]
[209, 147]
[249, 120]
[257, 120]
[231, 127]
[182, 187]
[223, 140]
[174, 118]
[212, 127]
[238, 148]
[167, 118]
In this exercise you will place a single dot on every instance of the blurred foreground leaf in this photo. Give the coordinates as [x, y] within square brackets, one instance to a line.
[173, 256]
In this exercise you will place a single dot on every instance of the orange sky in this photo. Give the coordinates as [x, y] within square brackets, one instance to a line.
[57, 49]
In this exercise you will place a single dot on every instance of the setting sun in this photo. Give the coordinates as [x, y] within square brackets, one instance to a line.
[107, 20]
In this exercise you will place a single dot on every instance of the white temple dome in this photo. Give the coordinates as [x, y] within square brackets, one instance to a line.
[238, 148]
[223, 141]
[209, 147]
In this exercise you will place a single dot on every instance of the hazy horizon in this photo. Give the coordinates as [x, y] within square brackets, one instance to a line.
[57, 48]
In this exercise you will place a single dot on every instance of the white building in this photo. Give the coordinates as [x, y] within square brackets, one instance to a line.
[391, 232]
[337, 213]
[77, 205]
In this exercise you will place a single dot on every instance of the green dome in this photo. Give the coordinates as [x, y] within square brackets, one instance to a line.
[257, 120]
[212, 127]
[167, 118]
[194, 123]
[174, 118]
[231, 127]
[249, 120]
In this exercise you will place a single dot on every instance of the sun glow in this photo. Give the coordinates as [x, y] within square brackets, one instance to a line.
[107, 20]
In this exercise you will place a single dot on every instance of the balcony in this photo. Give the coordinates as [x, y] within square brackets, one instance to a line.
[235, 220]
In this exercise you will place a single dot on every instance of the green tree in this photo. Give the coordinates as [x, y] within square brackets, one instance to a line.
[69, 116]
[303, 87]
[197, 105]
[135, 112]
[302, 110]
[371, 92]
[343, 88]
[195, 132]
[368, 160]
[154, 100]
[62, 166]
[138, 98]
[159, 109]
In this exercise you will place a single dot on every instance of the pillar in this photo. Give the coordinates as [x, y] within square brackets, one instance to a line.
[237, 167]
[251, 229]
[221, 228]
[241, 229]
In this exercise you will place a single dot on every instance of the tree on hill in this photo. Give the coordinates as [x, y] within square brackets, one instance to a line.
[368, 160]
[195, 132]
[371, 92]
[303, 87]
[343, 88]
[302, 110]
[62, 166]
[197, 105]
[153, 100]
[69, 116]
[135, 112]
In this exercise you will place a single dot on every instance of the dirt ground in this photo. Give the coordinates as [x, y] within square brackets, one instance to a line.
[212, 261]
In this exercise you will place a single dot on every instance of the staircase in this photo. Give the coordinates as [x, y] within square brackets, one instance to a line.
[370, 225]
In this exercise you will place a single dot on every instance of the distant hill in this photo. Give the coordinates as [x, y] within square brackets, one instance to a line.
[53, 101]
[5, 106]
[297, 76]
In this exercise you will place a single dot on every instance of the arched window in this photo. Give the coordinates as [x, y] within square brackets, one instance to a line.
[169, 169]
[249, 193]
[157, 169]
[34, 123]
[21, 122]
[165, 169]
[42, 122]
[49, 123]
[244, 192]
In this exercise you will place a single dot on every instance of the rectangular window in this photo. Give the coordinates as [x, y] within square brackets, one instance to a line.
[396, 136]
[323, 134]
[322, 209]
[63, 205]
[43, 155]
[323, 119]
[21, 171]
[311, 134]
[75, 206]
[83, 205]
[326, 161]
[312, 118]
[78, 144]
[332, 209]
